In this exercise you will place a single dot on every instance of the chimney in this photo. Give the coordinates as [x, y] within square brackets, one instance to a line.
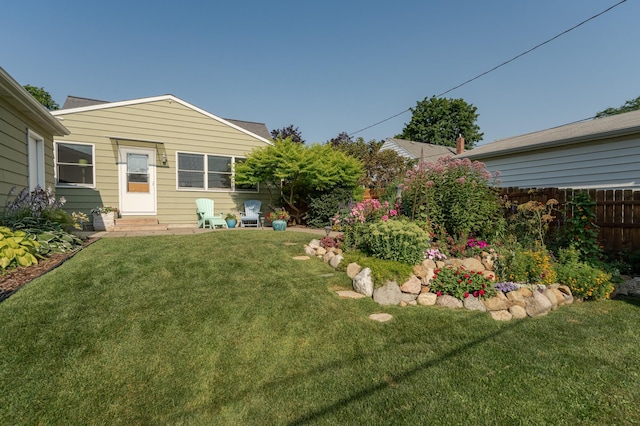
[459, 145]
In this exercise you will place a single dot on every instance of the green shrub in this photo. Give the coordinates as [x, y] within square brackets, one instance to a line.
[381, 270]
[526, 266]
[582, 231]
[50, 234]
[584, 280]
[461, 283]
[323, 208]
[398, 240]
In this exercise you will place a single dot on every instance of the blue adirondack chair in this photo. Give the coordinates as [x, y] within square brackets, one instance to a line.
[251, 214]
[206, 215]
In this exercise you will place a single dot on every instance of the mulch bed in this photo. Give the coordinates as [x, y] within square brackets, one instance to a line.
[12, 279]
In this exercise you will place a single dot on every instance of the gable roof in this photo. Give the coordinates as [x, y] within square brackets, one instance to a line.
[257, 130]
[411, 149]
[22, 100]
[584, 131]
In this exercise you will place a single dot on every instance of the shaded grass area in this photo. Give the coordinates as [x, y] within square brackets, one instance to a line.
[226, 328]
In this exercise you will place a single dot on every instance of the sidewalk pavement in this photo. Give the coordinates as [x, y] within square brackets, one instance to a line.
[187, 231]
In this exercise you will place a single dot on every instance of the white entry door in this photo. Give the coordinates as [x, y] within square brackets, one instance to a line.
[137, 176]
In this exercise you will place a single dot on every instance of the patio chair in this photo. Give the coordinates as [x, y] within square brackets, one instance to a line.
[251, 214]
[206, 215]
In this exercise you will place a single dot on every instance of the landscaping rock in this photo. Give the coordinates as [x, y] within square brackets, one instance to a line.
[517, 311]
[449, 302]
[413, 286]
[380, 317]
[565, 289]
[420, 271]
[516, 298]
[408, 297]
[337, 250]
[429, 264]
[537, 305]
[525, 292]
[549, 294]
[363, 282]
[496, 303]
[559, 295]
[328, 256]
[349, 294]
[320, 251]
[454, 263]
[310, 251]
[503, 315]
[568, 299]
[439, 264]
[353, 269]
[473, 304]
[301, 258]
[314, 244]
[335, 260]
[489, 274]
[427, 299]
[472, 264]
[427, 279]
[388, 294]
[488, 261]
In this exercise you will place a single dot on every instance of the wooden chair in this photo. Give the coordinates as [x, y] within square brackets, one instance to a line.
[206, 214]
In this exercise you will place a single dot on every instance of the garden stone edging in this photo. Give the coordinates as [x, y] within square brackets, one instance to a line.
[527, 301]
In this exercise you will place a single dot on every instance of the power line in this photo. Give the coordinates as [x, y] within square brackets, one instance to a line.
[498, 66]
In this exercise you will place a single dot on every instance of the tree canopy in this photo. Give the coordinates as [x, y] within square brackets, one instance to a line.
[630, 105]
[42, 96]
[293, 171]
[380, 167]
[440, 121]
[288, 132]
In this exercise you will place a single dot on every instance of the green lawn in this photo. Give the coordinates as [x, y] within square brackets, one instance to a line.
[226, 328]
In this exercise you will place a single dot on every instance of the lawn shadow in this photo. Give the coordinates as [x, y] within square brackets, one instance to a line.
[635, 301]
[343, 402]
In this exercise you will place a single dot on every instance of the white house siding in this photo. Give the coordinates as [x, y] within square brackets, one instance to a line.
[610, 164]
[165, 119]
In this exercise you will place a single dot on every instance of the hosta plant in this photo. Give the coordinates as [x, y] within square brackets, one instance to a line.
[17, 249]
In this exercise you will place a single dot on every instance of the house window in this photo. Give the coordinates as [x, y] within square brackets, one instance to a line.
[35, 147]
[74, 164]
[208, 172]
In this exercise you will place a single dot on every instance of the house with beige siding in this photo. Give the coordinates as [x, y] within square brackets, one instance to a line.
[601, 153]
[151, 158]
[27, 130]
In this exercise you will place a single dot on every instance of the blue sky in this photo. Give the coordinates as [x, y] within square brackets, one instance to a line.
[333, 66]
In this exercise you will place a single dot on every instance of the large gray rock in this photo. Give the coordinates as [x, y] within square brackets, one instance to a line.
[363, 282]
[449, 302]
[408, 297]
[335, 260]
[537, 305]
[427, 299]
[413, 286]
[388, 294]
[473, 304]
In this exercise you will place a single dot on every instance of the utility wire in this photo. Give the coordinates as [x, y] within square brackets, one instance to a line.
[498, 66]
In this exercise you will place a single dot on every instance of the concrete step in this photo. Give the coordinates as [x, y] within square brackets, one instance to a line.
[138, 224]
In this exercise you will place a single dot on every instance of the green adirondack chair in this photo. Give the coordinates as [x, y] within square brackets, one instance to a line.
[206, 215]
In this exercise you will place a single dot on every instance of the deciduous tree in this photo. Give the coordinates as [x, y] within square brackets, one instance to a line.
[440, 121]
[42, 96]
[630, 105]
[288, 132]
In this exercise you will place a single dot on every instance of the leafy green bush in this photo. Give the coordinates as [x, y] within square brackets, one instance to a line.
[50, 234]
[533, 266]
[353, 219]
[395, 240]
[323, 208]
[582, 231]
[530, 221]
[583, 279]
[460, 283]
[17, 248]
[381, 270]
[453, 196]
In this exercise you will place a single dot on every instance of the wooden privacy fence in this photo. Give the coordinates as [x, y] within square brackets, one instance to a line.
[617, 212]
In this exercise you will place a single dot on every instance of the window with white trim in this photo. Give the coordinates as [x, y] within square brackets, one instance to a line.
[74, 164]
[35, 146]
[209, 172]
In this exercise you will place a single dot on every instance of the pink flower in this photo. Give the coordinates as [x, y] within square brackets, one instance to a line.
[475, 293]
[385, 218]
[438, 293]
[393, 213]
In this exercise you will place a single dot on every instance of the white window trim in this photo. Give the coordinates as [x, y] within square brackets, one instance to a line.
[206, 172]
[35, 160]
[55, 165]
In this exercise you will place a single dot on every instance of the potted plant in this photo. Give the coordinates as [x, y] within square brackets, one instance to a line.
[231, 220]
[278, 219]
[104, 218]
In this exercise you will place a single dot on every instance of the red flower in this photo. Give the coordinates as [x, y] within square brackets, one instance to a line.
[484, 286]
[479, 272]
[438, 293]
[481, 292]
[466, 294]
[475, 293]
[467, 275]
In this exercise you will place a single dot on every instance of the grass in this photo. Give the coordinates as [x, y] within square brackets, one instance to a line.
[226, 328]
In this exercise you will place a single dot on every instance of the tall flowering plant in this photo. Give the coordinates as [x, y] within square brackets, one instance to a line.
[351, 219]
